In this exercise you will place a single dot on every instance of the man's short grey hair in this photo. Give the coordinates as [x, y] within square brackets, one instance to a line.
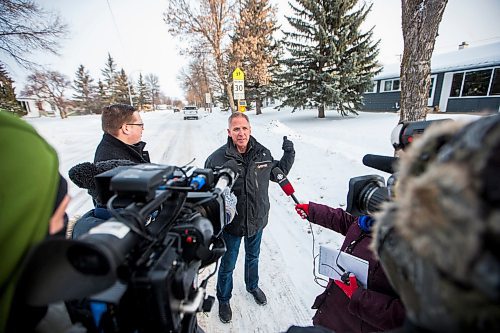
[236, 115]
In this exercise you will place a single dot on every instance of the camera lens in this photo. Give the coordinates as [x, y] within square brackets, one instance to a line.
[88, 260]
[371, 197]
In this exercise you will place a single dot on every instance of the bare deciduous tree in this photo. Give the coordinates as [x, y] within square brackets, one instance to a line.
[208, 21]
[49, 86]
[195, 81]
[25, 27]
[154, 86]
[420, 23]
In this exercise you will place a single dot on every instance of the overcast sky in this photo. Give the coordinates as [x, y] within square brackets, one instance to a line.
[134, 33]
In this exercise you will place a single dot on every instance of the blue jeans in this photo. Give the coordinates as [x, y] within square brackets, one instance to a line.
[228, 262]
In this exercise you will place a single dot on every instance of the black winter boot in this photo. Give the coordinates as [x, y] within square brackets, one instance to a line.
[259, 296]
[225, 313]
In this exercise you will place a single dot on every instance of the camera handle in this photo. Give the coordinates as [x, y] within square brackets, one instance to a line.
[195, 304]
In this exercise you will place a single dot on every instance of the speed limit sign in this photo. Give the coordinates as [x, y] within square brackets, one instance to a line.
[239, 89]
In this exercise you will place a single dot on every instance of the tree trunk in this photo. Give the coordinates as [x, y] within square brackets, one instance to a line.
[321, 111]
[229, 92]
[258, 106]
[420, 24]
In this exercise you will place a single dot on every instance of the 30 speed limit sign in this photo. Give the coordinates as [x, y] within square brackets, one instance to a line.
[239, 89]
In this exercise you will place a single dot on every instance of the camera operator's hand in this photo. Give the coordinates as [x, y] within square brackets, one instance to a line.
[287, 145]
[302, 210]
[350, 286]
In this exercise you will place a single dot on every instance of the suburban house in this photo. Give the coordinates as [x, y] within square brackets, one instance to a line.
[466, 80]
[36, 107]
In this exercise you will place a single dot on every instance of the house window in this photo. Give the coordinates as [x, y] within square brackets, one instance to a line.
[390, 85]
[456, 84]
[495, 83]
[476, 83]
[372, 88]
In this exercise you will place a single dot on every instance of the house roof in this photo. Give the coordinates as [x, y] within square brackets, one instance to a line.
[467, 58]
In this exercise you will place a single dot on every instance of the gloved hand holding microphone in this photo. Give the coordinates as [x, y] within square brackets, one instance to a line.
[302, 210]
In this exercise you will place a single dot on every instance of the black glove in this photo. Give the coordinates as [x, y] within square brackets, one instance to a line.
[287, 145]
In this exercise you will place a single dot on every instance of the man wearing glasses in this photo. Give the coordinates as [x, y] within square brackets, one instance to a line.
[122, 126]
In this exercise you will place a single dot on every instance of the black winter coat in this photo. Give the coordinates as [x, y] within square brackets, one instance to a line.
[111, 148]
[251, 187]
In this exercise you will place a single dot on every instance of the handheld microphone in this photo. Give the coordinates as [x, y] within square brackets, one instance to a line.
[227, 175]
[379, 162]
[283, 182]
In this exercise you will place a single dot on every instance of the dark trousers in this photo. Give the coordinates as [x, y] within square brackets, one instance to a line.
[228, 263]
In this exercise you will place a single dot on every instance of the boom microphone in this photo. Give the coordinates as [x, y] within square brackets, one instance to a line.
[379, 162]
[283, 182]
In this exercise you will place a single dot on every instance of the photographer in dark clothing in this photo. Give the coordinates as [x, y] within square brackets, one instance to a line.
[255, 163]
[438, 239]
[33, 203]
[123, 127]
[120, 145]
[348, 307]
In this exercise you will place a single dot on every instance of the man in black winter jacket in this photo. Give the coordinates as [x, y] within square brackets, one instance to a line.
[122, 126]
[255, 163]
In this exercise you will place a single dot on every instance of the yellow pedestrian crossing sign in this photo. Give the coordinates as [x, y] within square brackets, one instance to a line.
[238, 74]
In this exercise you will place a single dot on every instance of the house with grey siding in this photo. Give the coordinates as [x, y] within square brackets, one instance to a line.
[465, 80]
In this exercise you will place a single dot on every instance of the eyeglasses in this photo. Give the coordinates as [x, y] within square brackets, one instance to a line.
[142, 125]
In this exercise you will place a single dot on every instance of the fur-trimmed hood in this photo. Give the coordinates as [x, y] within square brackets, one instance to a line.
[438, 240]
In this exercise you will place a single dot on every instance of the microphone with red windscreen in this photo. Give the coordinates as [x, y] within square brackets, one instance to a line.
[285, 185]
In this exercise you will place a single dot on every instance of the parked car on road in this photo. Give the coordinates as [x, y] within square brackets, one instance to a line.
[190, 112]
[176, 109]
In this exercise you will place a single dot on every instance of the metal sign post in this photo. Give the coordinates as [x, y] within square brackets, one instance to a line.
[238, 86]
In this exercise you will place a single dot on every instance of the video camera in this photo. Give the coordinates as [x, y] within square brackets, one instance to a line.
[367, 193]
[138, 271]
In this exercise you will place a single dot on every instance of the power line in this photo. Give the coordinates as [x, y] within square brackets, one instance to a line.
[116, 25]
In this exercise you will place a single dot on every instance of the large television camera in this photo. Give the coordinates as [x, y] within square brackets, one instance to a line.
[139, 270]
[368, 192]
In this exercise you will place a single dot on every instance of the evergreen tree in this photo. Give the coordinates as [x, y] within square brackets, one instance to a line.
[100, 99]
[254, 49]
[143, 92]
[331, 61]
[8, 101]
[84, 90]
[123, 94]
[109, 73]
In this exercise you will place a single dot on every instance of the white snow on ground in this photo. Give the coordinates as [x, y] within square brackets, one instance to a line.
[328, 153]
